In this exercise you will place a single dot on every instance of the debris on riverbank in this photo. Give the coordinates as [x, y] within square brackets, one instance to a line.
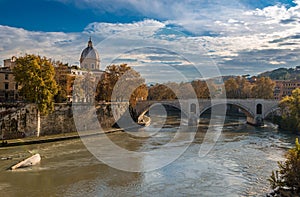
[30, 161]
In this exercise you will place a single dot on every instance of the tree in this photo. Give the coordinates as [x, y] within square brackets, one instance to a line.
[201, 89]
[62, 81]
[290, 110]
[140, 93]
[288, 175]
[244, 90]
[163, 92]
[263, 88]
[36, 74]
[231, 87]
[121, 83]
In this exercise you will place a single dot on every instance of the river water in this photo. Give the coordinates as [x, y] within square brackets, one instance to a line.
[238, 165]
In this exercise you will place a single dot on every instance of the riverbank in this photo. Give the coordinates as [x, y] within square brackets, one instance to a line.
[54, 138]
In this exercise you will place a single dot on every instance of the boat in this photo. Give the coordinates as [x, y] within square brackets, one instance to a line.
[31, 161]
[144, 121]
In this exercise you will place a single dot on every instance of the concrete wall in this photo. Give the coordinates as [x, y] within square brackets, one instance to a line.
[20, 120]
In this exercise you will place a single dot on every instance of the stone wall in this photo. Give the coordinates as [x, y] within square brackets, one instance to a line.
[20, 120]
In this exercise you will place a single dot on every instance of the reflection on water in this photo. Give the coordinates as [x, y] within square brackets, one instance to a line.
[238, 165]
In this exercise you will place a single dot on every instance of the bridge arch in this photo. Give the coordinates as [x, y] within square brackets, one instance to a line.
[255, 109]
[171, 104]
[247, 112]
[272, 110]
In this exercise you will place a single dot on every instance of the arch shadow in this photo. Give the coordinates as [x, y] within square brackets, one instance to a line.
[244, 109]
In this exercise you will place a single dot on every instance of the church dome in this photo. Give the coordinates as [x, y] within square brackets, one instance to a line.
[89, 58]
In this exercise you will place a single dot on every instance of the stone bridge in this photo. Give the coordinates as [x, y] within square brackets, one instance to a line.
[256, 110]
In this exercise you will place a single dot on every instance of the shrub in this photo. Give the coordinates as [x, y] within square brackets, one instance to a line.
[288, 175]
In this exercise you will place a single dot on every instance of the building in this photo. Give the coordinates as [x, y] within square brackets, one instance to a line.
[90, 61]
[8, 85]
[90, 73]
[284, 88]
[64, 75]
[89, 58]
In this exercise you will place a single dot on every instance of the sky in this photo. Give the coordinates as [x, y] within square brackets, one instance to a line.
[165, 40]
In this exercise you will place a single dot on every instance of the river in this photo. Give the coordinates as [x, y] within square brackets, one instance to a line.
[238, 165]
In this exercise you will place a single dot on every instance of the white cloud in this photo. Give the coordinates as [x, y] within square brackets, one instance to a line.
[234, 36]
[108, 29]
[277, 63]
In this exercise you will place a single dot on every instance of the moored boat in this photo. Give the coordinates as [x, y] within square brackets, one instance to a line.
[144, 121]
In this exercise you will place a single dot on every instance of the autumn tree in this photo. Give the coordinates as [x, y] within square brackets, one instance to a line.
[36, 74]
[140, 93]
[167, 91]
[231, 87]
[201, 89]
[263, 88]
[238, 88]
[63, 81]
[121, 83]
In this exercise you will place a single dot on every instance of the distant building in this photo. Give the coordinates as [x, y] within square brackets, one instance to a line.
[89, 58]
[64, 75]
[8, 85]
[285, 87]
[90, 68]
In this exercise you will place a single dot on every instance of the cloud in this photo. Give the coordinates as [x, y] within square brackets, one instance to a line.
[108, 29]
[231, 34]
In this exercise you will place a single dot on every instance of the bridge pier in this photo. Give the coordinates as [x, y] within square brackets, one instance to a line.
[255, 121]
[193, 120]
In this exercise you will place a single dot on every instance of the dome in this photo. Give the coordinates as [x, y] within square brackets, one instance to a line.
[89, 58]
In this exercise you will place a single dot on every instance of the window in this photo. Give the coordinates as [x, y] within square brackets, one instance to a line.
[6, 76]
[16, 86]
[6, 86]
[93, 66]
[259, 109]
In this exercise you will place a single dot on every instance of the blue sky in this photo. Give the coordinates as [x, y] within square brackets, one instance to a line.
[234, 37]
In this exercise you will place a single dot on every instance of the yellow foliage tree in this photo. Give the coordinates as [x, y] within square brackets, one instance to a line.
[36, 75]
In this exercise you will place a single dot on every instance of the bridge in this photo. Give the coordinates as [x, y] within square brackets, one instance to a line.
[256, 110]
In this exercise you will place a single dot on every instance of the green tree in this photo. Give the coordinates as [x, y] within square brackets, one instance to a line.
[290, 111]
[288, 175]
[263, 88]
[36, 74]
